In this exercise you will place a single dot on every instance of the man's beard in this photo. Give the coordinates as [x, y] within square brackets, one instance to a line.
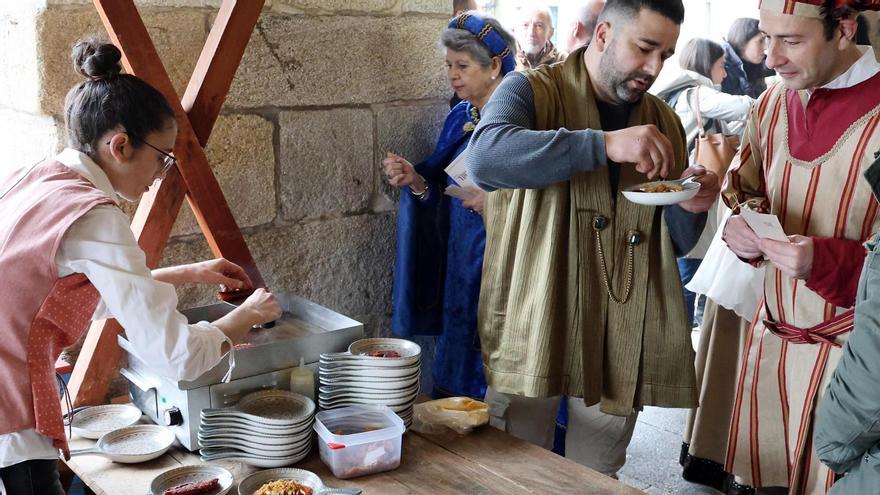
[530, 49]
[615, 80]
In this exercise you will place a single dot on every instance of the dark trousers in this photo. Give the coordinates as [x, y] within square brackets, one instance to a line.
[687, 267]
[35, 477]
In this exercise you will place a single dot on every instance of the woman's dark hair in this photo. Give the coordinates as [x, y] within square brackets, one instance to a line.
[108, 99]
[699, 55]
[741, 32]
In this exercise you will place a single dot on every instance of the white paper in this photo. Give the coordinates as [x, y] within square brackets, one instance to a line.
[460, 193]
[766, 226]
[459, 173]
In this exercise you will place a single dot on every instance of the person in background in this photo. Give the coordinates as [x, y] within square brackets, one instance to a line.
[744, 49]
[533, 34]
[65, 246]
[702, 62]
[557, 145]
[580, 31]
[440, 239]
[459, 7]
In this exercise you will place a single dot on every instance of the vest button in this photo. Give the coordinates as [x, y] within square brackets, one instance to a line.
[600, 222]
[634, 238]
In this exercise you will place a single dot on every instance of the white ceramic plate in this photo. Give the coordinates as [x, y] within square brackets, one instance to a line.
[271, 407]
[191, 474]
[407, 349]
[367, 373]
[360, 360]
[257, 461]
[370, 394]
[366, 381]
[362, 365]
[219, 422]
[333, 385]
[661, 198]
[132, 444]
[94, 421]
[252, 448]
[266, 440]
[396, 408]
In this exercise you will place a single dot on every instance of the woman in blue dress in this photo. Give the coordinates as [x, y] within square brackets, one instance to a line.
[440, 239]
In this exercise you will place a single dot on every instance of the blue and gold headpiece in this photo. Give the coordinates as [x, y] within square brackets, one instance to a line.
[489, 36]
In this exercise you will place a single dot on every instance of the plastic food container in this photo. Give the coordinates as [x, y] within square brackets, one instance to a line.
[359, 440]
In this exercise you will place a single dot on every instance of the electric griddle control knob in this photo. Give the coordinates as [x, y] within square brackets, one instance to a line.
[172, 417]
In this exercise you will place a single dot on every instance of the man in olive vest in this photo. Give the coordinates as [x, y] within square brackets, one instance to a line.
[580, 292]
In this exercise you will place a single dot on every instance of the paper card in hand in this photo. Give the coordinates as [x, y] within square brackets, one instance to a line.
[459, 173]
[766, 226]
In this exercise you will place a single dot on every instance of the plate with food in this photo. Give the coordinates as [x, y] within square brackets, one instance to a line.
[662, 192]
[401, 351]
[191, 480]
[288, 481]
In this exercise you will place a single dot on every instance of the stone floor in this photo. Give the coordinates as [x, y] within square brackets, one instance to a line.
[652, 456]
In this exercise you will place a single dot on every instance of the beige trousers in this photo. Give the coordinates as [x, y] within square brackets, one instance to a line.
[593, 438]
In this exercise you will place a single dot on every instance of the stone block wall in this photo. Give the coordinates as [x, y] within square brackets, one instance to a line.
[324, 89]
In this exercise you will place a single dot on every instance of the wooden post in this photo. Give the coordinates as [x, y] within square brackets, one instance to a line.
[196, 115]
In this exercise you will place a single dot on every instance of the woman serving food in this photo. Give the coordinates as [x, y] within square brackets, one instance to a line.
[66, 246]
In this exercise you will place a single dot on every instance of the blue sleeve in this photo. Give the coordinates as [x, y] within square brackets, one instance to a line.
[506, 152]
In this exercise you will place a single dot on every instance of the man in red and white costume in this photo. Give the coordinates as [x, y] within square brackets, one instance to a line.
[809, 138]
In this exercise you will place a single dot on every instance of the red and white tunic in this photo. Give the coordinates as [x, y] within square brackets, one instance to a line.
[802, 159]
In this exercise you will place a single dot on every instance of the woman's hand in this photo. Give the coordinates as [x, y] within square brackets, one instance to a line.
[261, 307]
[477, 202]
[217, 271]
[401, 173]
[223, 272]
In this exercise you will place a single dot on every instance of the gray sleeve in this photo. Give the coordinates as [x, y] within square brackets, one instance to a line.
[685, 228]
[848, 419]
[505, 151]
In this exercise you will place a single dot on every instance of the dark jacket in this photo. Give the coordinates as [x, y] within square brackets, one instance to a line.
[743, 78]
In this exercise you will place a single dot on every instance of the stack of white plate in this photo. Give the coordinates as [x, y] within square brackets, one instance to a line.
[268, 429]
[373, 371]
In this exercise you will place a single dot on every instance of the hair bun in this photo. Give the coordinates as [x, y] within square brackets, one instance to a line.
[96, 59]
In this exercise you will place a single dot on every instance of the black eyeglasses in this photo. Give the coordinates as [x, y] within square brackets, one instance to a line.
[167, 162]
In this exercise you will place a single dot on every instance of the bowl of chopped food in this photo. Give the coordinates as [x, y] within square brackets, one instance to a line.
[661, 192]
[287, 481]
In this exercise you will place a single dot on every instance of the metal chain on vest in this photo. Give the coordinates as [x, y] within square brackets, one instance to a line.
[606, 279]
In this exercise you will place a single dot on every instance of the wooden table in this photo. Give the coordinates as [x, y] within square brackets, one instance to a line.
[483, 462]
